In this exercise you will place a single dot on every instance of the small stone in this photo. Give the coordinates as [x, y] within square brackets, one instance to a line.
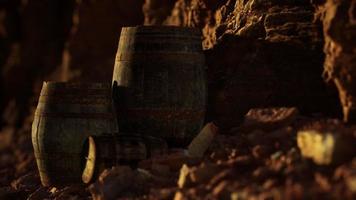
[269, 183]
[219, 154]
[351, 183]
[204, 173]
[40, 194]
[322, 181]
[220, 191]
[197, 175]
[164, 194]
[71, 192]
[261, 151]
[262, 173]
[28, 182]
[184, 179]
[325, 147]
[240, 161]
[223, 175]
[120, 181]
[268, 119]
[240, 195]
[179, 196]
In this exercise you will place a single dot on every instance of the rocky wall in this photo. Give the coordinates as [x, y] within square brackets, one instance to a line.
[32, 39]
[92, 45]
[259, 53]
[339, 20]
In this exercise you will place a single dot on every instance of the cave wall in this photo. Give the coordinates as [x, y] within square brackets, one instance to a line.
[92, 45]
[266, 52]
[339, 25]
[32, 39]
[260, 53]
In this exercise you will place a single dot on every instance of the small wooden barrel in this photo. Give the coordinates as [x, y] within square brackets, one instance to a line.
[67, 113]
[159, 83]
[101, 152]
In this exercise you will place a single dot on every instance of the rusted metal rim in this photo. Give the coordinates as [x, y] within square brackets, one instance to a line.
[165, 113]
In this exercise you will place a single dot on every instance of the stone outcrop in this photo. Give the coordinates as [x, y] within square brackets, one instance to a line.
[268, 53]
[339, 20]
[259, 53]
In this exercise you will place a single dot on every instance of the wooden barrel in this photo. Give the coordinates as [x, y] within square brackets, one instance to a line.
[159, 83]
[67, 113]
[103, 152]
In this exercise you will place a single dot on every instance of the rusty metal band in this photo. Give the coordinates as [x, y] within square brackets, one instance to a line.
[75, 100]
[76, 92]
[161, 35]
[188, 57]
[165, 114]
[77, 115]
[57, 155]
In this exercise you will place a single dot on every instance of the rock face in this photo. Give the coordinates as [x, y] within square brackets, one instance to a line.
[56, 40]
[33, 34]
[339, 20]
[156, 11]
[280, 41]
[259, 53]
[95, 34]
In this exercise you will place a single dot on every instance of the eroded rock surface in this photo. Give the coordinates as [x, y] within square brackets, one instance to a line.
[339, 20]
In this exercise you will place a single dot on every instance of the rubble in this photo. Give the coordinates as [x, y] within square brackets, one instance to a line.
[121, 181]
[29, 182]
[8, 193]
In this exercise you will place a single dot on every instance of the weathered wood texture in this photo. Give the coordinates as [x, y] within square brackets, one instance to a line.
[67, 113]
[159, 82]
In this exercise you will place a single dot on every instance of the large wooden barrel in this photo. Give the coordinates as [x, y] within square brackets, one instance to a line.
[67, 113]
[159, 83]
